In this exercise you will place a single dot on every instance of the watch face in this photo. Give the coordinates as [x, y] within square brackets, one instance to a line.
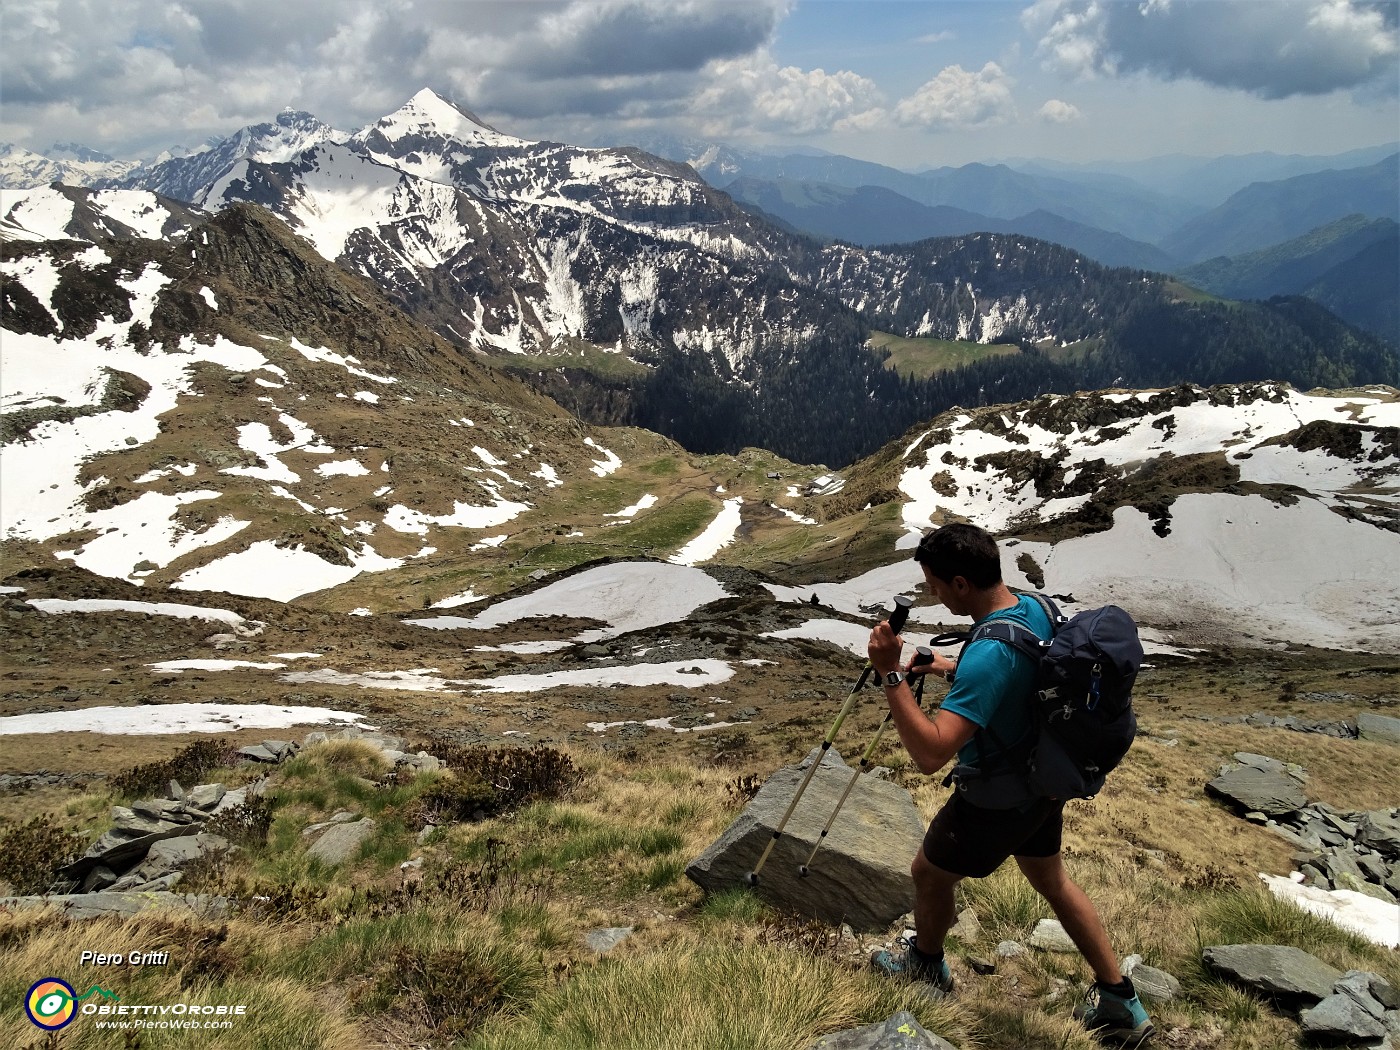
[894, 678]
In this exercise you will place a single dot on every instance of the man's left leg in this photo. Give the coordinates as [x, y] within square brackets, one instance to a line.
[1075, 911]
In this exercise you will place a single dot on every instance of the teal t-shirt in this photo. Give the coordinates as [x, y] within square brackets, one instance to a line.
[994, 679]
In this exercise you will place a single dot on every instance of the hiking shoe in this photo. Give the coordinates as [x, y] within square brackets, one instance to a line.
[1114, 1019]
[909, 965]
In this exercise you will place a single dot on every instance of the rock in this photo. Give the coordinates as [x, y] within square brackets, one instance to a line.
[1277, 970]
[175, 791]
[1249, 788]
[1010, 949]
[340, 817]
[1050, 936]
[1379, 830]
[982, 966]
[97, 905]
[605, 940]
[1152, 983]
[168, 857]
[1339, 1018]
[206, 796]
[968, 928]
[900, 1032]
[258, 753]
[118, 849]
[829, 757]
[1357, 984]
[861, 873]
[342, 841]
[312, 739]
[1384, 992]
[1378, 727]
[99, 878]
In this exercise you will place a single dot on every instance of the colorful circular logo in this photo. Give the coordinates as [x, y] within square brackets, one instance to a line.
[51, 1003]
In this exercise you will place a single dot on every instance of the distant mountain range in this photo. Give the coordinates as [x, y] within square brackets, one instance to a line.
[634, 292]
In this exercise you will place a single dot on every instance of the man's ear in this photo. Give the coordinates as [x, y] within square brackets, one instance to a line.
[960, 586]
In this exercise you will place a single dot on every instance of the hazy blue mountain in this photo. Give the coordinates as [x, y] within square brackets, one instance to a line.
[1290, 267]
[1363, 289]
[995, 191]
[1206, 181]
[1267, 213]
[871, 215]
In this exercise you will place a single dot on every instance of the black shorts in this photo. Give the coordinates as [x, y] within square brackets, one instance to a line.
[971, 841]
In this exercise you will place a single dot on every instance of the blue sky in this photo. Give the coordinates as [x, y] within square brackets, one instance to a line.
[913, 83]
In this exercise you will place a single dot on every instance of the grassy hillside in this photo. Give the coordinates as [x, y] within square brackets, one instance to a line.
[483, 947]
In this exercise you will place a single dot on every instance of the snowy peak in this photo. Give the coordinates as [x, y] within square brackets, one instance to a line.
[24, 169]
[429, 116]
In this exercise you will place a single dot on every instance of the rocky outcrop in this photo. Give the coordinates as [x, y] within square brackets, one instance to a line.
[1337, 849]
[860, 876]
[1356, 1008]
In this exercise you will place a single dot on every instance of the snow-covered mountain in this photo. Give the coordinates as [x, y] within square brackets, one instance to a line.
[74, 213]
[515, 247]
[1238, 514]
[73, 166]
[232, 412]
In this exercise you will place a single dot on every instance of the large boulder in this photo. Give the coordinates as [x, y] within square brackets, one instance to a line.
[860, 876]
[341, 842]
[1259, 791]
[1378, 727]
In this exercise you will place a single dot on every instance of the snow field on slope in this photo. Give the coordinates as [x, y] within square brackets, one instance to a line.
[265, 570]
[39, 214]
[1198, 428]
[716, 536]
[175, 718]
[628, 596]
[1236, 565]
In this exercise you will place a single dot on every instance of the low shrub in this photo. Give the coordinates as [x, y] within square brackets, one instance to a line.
[516, 775]
[32, 853]
[187, 766]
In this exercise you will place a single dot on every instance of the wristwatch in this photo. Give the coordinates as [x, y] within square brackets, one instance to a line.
[894, 678]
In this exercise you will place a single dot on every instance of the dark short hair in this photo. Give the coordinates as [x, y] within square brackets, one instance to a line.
[961, 550]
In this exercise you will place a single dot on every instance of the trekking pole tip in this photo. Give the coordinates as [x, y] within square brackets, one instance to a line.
[751, 878]
[803, 870]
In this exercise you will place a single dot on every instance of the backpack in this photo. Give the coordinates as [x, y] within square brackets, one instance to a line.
[1082, 715]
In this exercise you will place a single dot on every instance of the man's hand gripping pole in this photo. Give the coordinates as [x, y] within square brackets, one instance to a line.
[897, 620]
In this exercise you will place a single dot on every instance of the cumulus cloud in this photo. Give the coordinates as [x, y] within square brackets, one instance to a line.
[1057, 111]
[1275, 50]
[756, 94]
[140, 71]
[957, 98]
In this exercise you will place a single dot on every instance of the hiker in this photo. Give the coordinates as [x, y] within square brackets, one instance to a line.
[990, 690]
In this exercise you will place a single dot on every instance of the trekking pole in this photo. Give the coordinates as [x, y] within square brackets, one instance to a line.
[924, 656]
[902, 606]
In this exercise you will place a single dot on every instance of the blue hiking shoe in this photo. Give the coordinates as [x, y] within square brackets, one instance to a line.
[912, 965]
[1114, 1019]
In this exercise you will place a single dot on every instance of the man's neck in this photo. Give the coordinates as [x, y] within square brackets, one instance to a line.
[981, 604]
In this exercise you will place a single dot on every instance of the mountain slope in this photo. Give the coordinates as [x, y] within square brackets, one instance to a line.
[1363, 288]
[728, 332]
[1268, 213]
[870, 215]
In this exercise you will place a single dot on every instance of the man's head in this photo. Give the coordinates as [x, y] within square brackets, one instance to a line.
[959, 560]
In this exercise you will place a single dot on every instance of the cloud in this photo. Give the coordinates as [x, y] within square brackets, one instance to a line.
[936, 38]
[1057, 112]
[1275, 50]
[957, 98]
[139, 73]
[756, 94]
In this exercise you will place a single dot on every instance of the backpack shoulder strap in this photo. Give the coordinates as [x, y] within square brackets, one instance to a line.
[1022, 639]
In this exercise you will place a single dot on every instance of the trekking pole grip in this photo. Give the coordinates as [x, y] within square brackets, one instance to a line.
[900, 616]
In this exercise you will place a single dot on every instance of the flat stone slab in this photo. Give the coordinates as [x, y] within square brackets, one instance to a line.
[1277, 970]
[1378, 727]
[96, 905]
[1254, 789]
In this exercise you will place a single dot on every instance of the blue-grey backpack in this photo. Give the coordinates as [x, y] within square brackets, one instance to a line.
[1082, 709]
